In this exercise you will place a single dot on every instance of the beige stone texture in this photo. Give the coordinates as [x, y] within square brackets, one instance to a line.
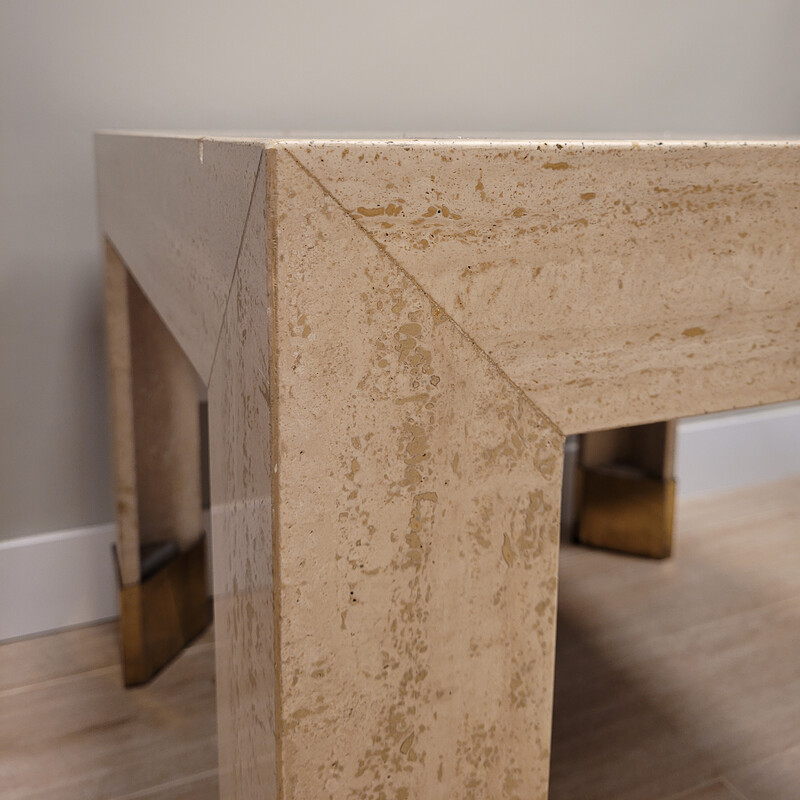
[615, 283]
[176, 208]
[418, 532]
[242, 530]
[154, 401]
[396, 337]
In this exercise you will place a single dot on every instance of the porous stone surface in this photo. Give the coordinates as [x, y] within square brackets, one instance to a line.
[615, 283]
[396, 338]
[418, 527]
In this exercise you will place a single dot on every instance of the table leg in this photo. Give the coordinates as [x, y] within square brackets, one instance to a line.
[627, 489]
[156, 436]
[385, 506]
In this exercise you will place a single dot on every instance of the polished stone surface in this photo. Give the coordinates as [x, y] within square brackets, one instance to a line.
[396, 337]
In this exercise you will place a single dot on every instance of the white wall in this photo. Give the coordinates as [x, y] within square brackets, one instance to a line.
[700, 68]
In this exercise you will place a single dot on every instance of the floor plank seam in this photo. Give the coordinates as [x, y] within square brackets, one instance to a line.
[733, 789]
[61, 681]
[174, 784]
[635, 643]
[717, 779]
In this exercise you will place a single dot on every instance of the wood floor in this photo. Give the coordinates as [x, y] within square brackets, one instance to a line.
[676, 679]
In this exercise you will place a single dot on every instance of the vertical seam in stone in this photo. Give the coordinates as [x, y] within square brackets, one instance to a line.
[272, 370]
[235, 271]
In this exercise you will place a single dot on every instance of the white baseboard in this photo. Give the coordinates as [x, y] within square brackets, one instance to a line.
[56, 580]
[722, 452]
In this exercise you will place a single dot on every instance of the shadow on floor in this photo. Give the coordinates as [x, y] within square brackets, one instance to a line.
[646, 723]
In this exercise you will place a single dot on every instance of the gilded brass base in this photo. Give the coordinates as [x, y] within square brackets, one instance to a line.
[626, 511]
[162, 614]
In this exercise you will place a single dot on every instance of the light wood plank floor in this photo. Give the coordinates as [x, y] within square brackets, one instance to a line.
[677, 679]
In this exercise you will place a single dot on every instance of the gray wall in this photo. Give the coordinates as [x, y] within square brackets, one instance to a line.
[692, 68]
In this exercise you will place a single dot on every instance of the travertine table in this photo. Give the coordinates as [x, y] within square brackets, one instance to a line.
[396, 337]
